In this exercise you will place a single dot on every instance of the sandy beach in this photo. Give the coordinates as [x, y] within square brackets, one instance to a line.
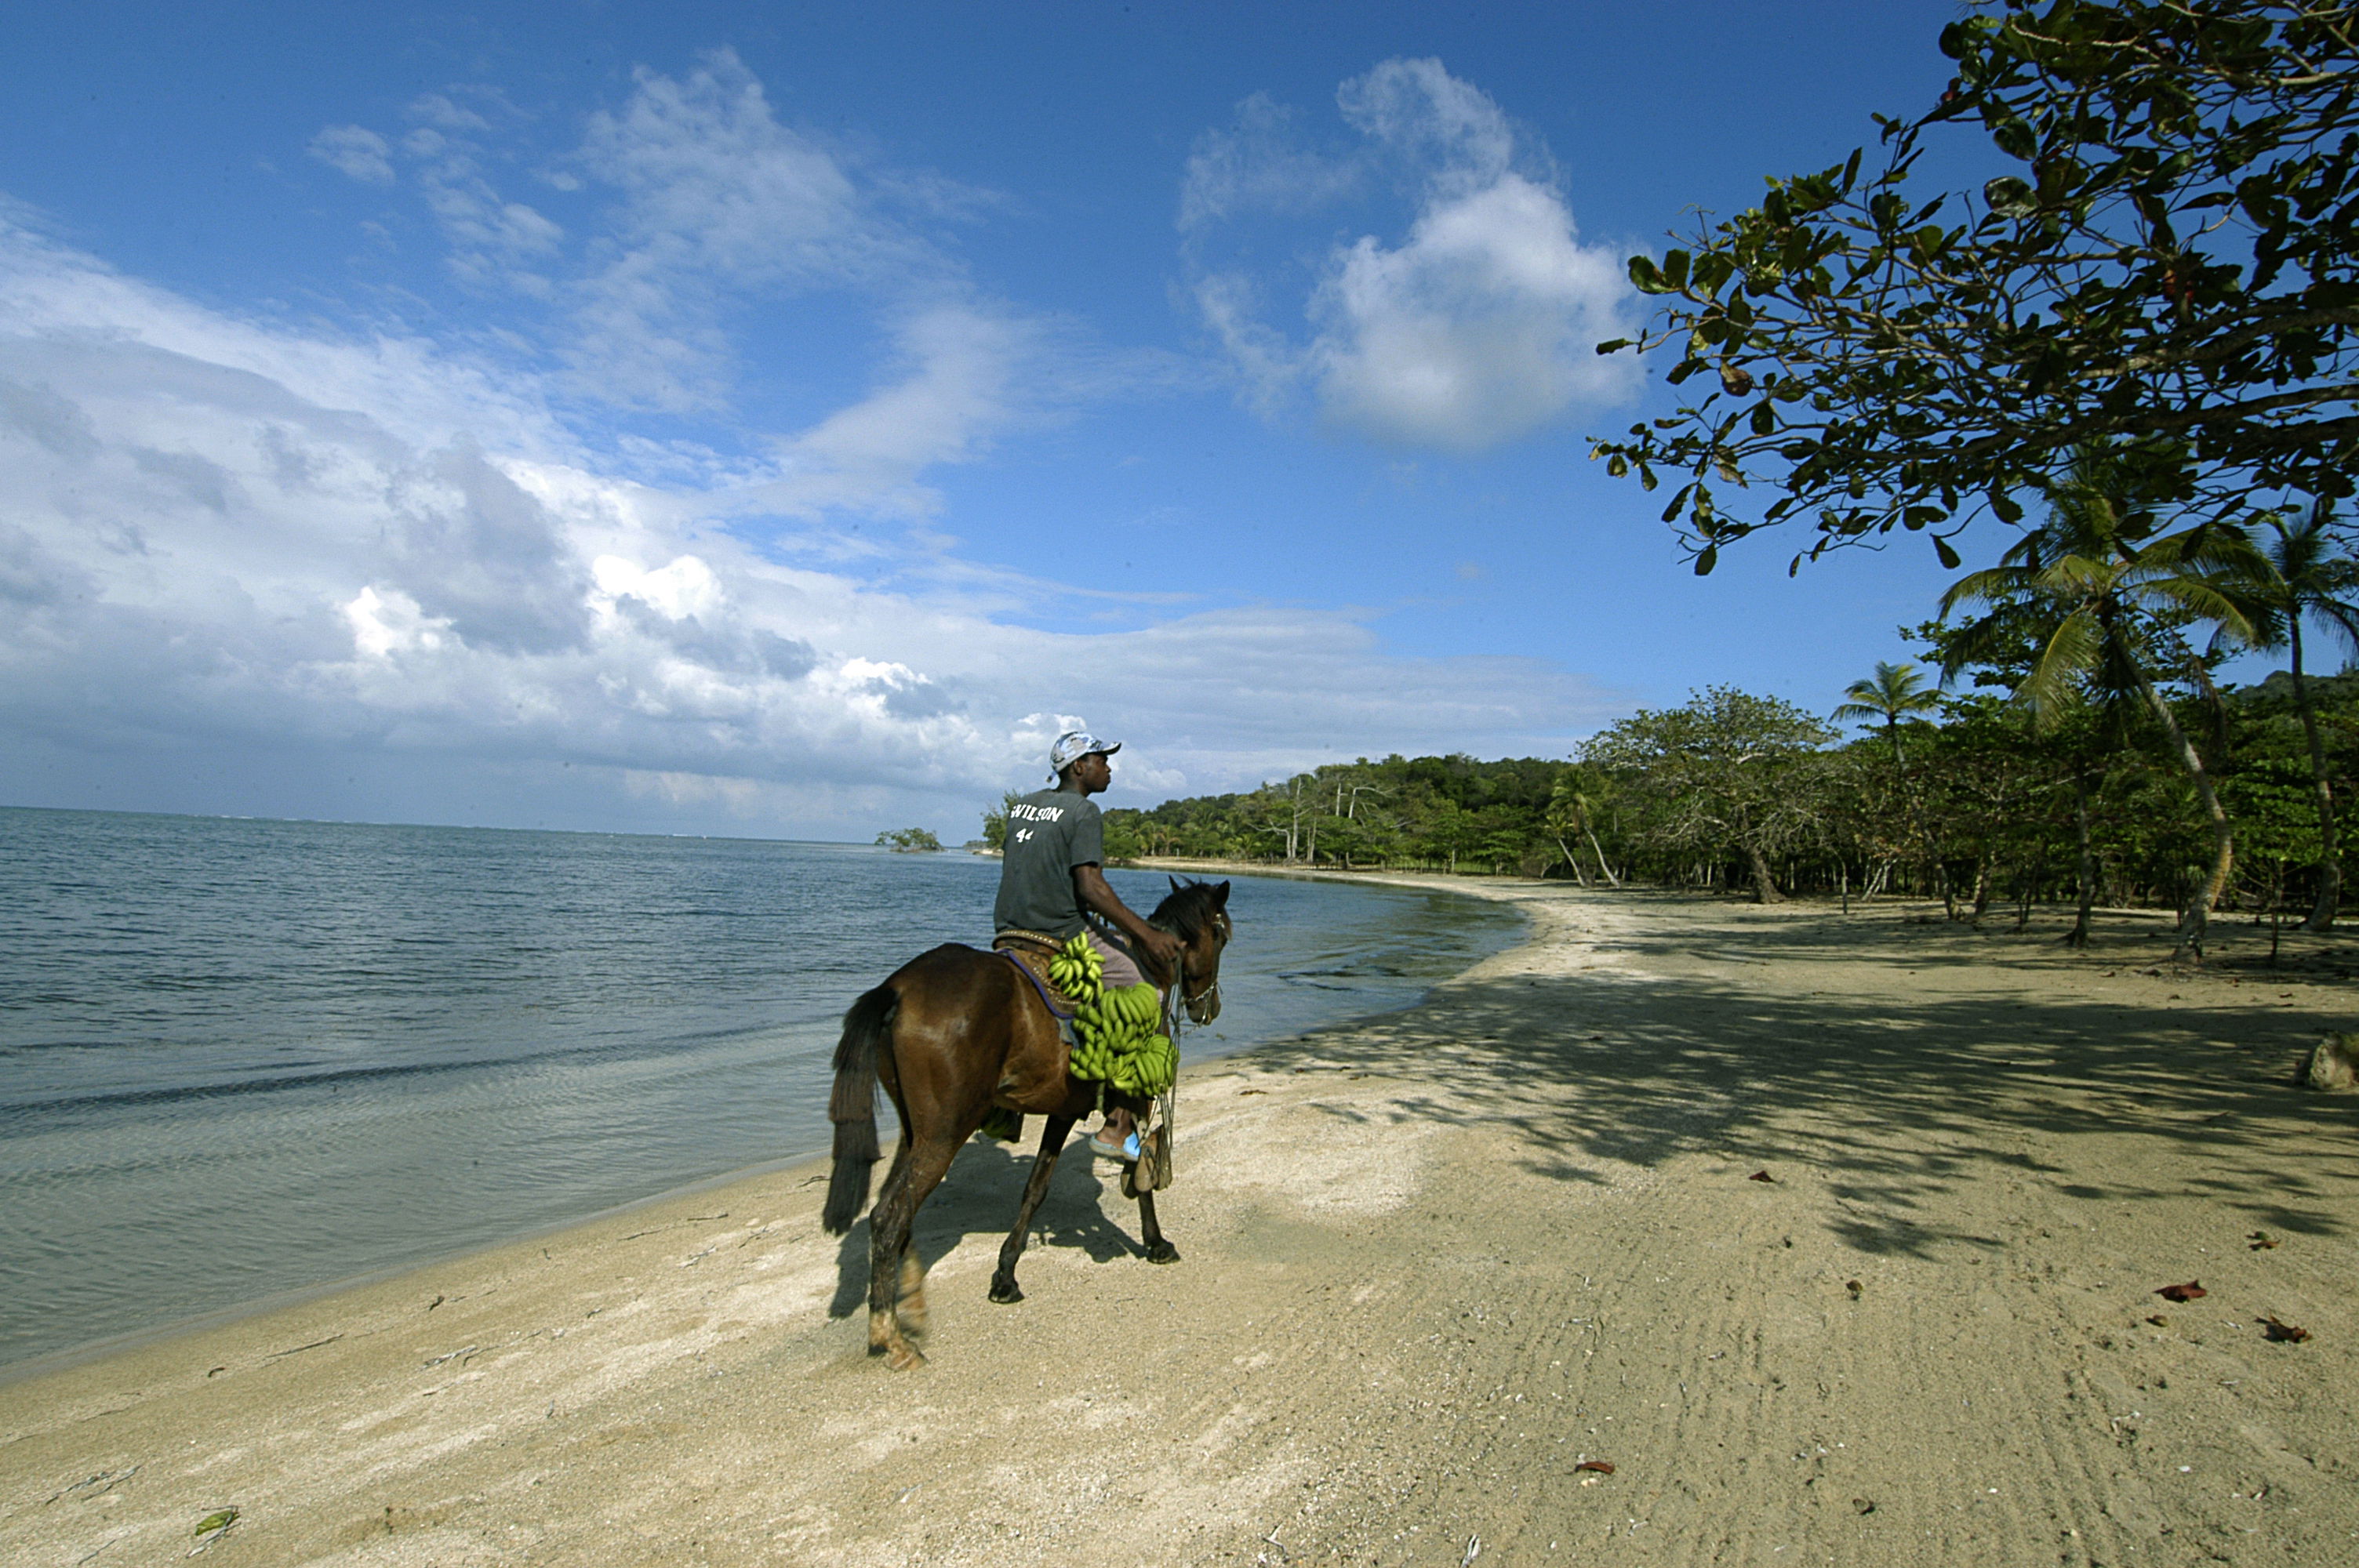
[1837, 1236]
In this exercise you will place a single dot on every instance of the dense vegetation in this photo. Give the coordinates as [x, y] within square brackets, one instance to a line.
[1963, 796]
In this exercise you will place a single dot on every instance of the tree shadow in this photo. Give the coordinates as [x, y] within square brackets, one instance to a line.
[1893, 1094]
[980, 1195]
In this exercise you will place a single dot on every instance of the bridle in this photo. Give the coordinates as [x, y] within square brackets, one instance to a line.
[1181, 1001]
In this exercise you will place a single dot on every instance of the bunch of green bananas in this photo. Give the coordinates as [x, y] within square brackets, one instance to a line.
[1076, 970]
[1116, 1041]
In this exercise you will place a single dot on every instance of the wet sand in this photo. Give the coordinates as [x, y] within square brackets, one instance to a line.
[1431, 1264]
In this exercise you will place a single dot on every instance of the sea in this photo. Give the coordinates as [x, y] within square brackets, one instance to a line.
[243, 1058]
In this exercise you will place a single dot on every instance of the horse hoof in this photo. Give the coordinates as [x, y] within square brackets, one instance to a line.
[1005, 1292]
[905, 1357]
[1163, 1252]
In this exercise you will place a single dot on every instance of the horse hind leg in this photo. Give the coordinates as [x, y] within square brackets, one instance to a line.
[911, 1307]
[889, 1251]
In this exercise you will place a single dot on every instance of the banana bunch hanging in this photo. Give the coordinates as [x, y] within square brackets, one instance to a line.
[1115, 1038]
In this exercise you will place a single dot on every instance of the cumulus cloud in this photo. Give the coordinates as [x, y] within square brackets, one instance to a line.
[1478, 325]
[237, 541]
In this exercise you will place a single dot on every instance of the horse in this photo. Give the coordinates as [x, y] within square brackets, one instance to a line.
[952, 1034]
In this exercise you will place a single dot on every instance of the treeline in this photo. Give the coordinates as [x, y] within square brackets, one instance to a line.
[1966, 796]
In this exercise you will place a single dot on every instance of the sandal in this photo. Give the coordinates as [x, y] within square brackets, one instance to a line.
[1127, 1150]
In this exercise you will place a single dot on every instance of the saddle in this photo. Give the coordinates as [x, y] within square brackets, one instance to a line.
[1031, 951]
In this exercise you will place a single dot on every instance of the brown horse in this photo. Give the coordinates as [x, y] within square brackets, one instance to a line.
[953, 1033]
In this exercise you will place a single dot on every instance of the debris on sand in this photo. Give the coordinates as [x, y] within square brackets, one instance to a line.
[2186, 1293]
[1760, 1176]
[1602, 1466]
[2283, 1332]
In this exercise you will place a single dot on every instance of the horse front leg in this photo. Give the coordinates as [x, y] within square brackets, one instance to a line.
[1158, 1250]
[1044, 1165]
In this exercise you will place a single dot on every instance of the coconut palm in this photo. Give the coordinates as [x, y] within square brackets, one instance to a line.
[2306, 576]
[2099, 592]
[1895, 693]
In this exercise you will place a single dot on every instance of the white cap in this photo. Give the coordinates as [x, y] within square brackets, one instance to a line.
[1075, 744]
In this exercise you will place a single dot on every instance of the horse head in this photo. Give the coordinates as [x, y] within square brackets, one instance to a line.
[1198, 914]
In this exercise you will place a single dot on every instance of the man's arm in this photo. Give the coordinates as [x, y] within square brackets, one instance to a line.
[1090, 887]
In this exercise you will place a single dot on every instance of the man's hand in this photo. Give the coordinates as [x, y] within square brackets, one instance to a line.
[1161, 947]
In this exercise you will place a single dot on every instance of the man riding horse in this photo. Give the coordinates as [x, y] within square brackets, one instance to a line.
[1051, 885]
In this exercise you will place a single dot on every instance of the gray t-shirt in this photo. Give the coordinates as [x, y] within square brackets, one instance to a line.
[1050, 832]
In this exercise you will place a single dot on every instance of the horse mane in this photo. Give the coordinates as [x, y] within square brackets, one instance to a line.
[1189, 908]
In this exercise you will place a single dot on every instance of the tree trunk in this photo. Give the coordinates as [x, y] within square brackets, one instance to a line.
[1602, 863]
[2223, 843]
[1982, 885]
[2078, 937]
[2330, 859]
[1578, 874]
[1765, 887]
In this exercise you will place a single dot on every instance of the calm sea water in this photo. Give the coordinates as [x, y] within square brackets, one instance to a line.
[241, 1057]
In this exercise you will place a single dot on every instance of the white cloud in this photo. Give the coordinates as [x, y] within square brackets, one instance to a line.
[1482, 326]
[224, 540]
[1256, 165]
[1477, 328]
[717, 201]
[356, 151]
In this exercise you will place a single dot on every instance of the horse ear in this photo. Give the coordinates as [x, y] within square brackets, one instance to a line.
[1220, 895]
[1173, 881]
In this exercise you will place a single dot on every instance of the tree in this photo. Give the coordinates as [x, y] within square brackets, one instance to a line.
[1731, 771]
[2173, 271]
[1895, 693]
[2303, 576]
[909, 841]
[995, 820]
[1573, 807]
[2101, 600]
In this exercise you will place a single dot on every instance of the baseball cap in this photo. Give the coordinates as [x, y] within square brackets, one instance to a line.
[1075, 744]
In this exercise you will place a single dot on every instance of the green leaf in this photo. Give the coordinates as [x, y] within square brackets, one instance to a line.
[1707, 558]
[2010, 196]
[1948, 556]
[1644, 277]
[1613, 345]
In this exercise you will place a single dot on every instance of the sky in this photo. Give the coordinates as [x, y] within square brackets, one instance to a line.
[783, 420]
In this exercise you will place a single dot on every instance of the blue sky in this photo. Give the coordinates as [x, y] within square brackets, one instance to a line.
[779, 420]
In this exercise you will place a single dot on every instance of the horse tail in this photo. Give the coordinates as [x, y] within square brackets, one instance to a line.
[853, 1107]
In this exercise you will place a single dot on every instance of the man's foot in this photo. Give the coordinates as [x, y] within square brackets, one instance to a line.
[1113, 1142]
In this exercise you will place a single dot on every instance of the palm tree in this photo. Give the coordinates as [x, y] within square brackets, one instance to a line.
[2307, 577]
[1572, 808]
[2098, 589]
[1897, 692]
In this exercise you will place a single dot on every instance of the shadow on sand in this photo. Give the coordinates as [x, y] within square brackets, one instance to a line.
[1890, 1091]
[979, 1197]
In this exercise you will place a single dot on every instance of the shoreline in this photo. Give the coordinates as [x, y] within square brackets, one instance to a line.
[1430, 1260]
[49, 1362]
